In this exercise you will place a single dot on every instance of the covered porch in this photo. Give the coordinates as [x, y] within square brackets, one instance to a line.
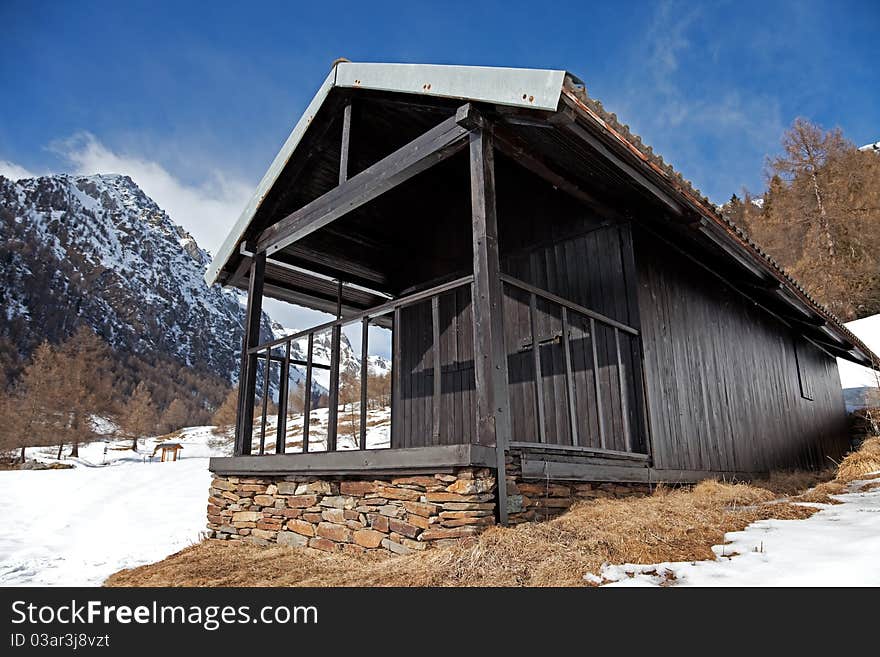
[483, 238]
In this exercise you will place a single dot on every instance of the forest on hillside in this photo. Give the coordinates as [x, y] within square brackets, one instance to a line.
[819, 217]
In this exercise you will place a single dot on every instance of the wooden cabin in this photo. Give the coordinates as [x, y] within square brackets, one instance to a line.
[564, 306]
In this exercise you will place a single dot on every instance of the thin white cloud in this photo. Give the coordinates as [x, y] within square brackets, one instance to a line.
[14, 172]
[207, 209]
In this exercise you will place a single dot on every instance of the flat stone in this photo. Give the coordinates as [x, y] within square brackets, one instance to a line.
[472, 486]
[222, 484]
[350, 548]
[289, 513]
[301, 527]
[460, 522]
[270, 524]
[456, 515]
[314, 518]
[445, 478]
[246, 516]
[271, 489]
[292, 539]
[419, 521]
[357, 488]
[256, 540]
[413, 545]
[400, 494]
[368, 538]
[378, 522]
[421, 509]
[443, 496]
[264, 500]
[544, 489]
[333, 515]
[322, 544]
[403, 528]
[334, 532]
[301, 501]
[423, 481]
[229, 495]
[251, 488]
[438, 533]
[390, 510]
[339, 501]
[287, 488]
[469, 506]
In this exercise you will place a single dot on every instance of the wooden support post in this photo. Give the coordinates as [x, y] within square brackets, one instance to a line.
[365, 346]
[438, 374]
[397, 427]
[569, 379]
[307, 402]
[624, 404]
[490, 353]
[267, 365]
[247, 382]
[596, 384]
[281, 432]
[335, 340]
[344, 146]
[536, 362]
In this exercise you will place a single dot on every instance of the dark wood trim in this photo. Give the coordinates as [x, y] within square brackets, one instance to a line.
[420, 154]
[396, 374]
[307, 402]
[247, 382]
[438, 374]
[365, 374]
[283, 394]
[569, 379]
[428, 459]
[490, 354]
[335, 351]
[621, 388]
[564, 471]
[267, 370]
[579, 451]
[597, 384]
[536, 364]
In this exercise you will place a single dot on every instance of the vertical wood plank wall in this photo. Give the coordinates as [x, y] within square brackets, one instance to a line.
[588, 269]
[722, 379]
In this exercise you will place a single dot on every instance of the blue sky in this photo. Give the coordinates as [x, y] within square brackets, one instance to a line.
[194, 99]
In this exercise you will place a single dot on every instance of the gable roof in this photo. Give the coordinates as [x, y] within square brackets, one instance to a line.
[550, 91]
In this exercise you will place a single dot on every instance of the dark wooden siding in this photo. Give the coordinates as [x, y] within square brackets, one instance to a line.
[722, 376]
[412, 427]
[589, 269]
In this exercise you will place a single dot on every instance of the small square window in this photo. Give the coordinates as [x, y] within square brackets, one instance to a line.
[801, 359]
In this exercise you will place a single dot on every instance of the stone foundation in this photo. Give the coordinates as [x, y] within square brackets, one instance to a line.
[533, 500]
[401, 514]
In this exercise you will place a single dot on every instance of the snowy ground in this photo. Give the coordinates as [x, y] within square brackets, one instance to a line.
[118, 509]
[838, 546]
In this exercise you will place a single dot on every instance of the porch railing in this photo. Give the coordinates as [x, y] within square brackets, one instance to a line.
[627, 386]
[279, 351]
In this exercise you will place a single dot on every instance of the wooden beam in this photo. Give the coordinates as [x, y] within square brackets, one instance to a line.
[536, 364]
[247, 381]
[525, 157]
[281, 429]
[622, 391]
[438, 375]
[490, 353]
[335, 347]
[344, 146]
[365, 373]
[420, 154]
[397, 427]
[569, 379]
[596, 383]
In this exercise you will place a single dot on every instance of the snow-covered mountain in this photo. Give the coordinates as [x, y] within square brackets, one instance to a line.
[871, 148]
[96, 249]
[322, 348]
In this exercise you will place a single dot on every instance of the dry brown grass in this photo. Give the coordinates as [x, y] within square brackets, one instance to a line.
[858, 464]
[672, 524]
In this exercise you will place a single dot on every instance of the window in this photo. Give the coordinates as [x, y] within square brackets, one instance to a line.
[801, 357]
